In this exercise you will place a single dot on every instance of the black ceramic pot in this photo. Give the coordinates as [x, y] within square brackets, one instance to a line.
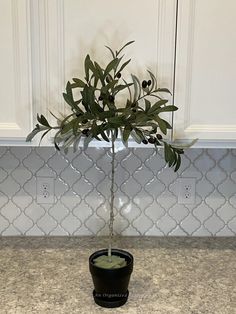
[111, 285]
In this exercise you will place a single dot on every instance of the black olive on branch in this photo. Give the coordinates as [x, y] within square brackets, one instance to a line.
[144, 84]
[152, 140]
[85, 132]
[111, 98]
[159, 136]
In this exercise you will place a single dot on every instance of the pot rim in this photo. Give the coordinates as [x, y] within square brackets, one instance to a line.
[125, 254]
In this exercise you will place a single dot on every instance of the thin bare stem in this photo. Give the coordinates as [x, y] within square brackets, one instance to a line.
[111, 222]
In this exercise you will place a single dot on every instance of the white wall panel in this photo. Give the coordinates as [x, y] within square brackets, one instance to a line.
[206, 70]
[15, 74]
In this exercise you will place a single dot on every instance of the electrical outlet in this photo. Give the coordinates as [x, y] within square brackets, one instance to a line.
[187, 190]
[45, 190]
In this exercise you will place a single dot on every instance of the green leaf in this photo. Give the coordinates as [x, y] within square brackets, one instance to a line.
[110, 85]
[154, 81]
[88, 97]
[70, 101]
[166, 109]
[32, 134]
[116, 120]
[76, 126]
[69, 90]
[137, 88]
[123, 66]
[105, 114]
[147, 105]
[119, 88]
[68, 126]
[127, 44]
[63, 122]
[89, 116]
[87, 64]
[139, 133]
[100, 73]
[168, 153]
[95, 131]
[168, 126]
[104, 136]
[111, 66]
[157, 106]
[136, 137]
[178, 163]
[76, 142]
[78, 83]
[87, 140]
[44, 134]
[141, 117]
[41, 119]
[130, 94]
[164, 90]
[126, 132]
[111, 51]
[161, 124]
[55, 140]
[68, 142]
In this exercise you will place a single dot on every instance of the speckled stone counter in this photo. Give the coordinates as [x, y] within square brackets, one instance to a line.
[171, 275]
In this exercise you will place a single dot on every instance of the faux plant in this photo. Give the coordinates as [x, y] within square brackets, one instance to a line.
[95, 115]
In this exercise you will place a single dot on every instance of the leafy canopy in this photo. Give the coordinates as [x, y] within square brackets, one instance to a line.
[95, 114]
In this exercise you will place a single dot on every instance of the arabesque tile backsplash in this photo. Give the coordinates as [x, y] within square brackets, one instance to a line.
[146, 192]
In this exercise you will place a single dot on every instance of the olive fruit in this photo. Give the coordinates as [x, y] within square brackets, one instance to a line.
[144, 84]
[145, 142]
[111, 98]
[149, 82]
[159, 136]
[100, 98]
[118, 75]
[85, 131]
[152, 140]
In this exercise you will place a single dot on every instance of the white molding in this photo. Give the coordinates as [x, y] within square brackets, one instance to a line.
[183, 66]
[9, 126]
[166, 46]
[48, 55]
[22, 119]
[183, 127]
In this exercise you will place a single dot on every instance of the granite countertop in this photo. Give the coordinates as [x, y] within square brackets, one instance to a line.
[171, 275]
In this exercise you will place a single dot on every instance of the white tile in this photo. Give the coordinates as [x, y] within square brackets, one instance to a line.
[145, 200]
[190, 224]
[10, 211]
[203, 212]
[47, 224]
[23, 223]
[70, 223]
[166, 224]
[143, 224]
[214, 224]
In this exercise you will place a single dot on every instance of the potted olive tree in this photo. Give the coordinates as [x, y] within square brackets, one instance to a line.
[97, 115]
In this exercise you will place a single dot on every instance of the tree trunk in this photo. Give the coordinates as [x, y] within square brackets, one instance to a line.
[111, 222]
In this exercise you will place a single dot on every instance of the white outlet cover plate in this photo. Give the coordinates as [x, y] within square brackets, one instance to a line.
[186, 190]
[49, 182]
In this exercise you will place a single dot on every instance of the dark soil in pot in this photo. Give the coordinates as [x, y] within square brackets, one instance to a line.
[111, 285]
